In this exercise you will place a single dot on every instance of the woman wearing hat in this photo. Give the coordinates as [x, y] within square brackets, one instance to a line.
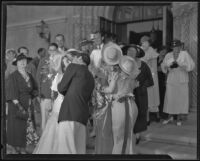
[151, 59]
[20, 90]
[10, 55]
[121, 110]
[47, 141]
[177, 64]
[9, 67]
[86, 46]
[141, 97]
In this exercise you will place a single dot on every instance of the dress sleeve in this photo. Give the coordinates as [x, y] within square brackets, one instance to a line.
[66, 80]
[187, 61]
[12, 89]
[150, 54]
[167, 61]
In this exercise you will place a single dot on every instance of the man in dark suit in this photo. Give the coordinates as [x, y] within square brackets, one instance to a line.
[77, 86]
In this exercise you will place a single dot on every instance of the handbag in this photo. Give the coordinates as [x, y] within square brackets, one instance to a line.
[21, 113]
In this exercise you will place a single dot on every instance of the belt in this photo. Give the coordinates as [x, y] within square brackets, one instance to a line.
[125, 99]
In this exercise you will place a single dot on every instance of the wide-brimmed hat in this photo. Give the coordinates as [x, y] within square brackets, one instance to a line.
[73, 52]
[10, 50]
[111, 53]
[128, 65]
[140, 52]
[20, 57]
[176, 43]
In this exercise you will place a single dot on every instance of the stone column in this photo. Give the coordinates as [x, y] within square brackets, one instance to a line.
[185, 29]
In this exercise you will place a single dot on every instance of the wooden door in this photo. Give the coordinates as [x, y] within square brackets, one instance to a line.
[167, 26]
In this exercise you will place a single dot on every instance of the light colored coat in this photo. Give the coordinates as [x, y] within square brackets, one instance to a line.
[177, 90]
[153, 92]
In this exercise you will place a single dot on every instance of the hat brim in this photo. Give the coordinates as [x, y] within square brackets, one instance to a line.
[134, 71]
[140, 52]
[27, 58]
[178, 45]
[104, 51]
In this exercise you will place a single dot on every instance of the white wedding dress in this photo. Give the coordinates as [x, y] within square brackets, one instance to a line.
[48, 140]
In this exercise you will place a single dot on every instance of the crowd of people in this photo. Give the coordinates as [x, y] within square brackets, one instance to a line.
[114, 87]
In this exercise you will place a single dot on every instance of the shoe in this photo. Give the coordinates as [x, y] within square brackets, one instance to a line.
[179, 123]
[167, 121]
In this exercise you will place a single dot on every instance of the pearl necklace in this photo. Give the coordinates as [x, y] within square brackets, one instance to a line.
[25, 76]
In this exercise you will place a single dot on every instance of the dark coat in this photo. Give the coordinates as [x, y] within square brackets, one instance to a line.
[77, 86]
[141, 97]
[17, 89]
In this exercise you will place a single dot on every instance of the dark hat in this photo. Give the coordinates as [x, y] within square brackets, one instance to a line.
[20, 57]
[176, 43]
[140, 52]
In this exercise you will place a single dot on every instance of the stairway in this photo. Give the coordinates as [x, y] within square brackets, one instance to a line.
[179, 142]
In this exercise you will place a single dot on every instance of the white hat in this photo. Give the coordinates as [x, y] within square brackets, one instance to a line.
[111, 53]
[128, 65]
[9, 50]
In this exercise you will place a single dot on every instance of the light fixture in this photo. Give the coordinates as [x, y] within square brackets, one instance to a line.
[43, 31]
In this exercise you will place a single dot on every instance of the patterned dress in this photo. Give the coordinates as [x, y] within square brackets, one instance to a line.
[100, 101]
[114, 123]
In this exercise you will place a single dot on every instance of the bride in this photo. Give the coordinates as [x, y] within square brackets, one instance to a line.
[48, 139]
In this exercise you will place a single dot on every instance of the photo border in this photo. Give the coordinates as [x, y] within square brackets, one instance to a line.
[85, 156]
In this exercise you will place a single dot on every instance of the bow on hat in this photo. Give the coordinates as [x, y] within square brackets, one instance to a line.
[176, 43]
[20, 57]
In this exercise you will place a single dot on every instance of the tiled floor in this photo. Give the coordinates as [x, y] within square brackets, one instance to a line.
[179, 142]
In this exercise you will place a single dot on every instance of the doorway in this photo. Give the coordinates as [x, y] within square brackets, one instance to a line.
[148, 19]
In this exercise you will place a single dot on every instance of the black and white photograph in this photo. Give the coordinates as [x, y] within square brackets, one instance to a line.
[100, 79]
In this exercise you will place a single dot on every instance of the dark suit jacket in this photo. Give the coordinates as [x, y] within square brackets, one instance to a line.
[77, 86]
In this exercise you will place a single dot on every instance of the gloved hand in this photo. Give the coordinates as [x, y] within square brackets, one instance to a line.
[174, 65]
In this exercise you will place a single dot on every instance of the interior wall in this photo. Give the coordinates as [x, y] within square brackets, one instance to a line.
[22, 21]
[74, 22]
[144, 26]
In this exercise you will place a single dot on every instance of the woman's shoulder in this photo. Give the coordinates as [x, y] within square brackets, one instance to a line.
[13, 76]
[184, 53]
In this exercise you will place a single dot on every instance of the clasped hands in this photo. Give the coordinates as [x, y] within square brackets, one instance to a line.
[174, 65]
